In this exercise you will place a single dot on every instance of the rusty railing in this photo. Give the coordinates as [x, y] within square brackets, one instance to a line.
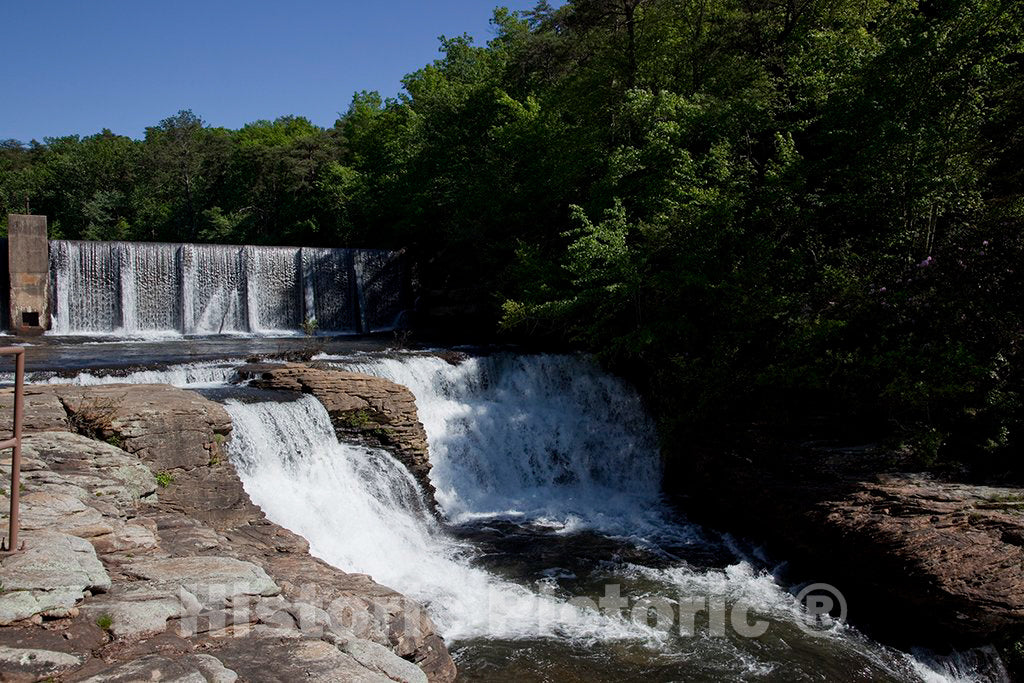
[14, 443]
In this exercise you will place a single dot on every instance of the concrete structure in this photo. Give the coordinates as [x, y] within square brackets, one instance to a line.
[28, 258]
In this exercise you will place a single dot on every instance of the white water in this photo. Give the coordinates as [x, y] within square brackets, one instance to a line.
[547, 439]
[505, 417]
[192, 375]
[362, 511]
[553, 441]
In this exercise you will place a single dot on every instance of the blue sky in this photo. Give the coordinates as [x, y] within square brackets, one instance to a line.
[75, 67]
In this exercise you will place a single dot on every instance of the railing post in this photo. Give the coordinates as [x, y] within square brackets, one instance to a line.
[14, 443]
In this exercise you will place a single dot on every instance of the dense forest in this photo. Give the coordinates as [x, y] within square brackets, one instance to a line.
[757, 209]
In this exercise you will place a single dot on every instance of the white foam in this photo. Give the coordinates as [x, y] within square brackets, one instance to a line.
[362, 511]
[193, 375]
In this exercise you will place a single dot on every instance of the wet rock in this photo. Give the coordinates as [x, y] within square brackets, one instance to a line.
[362, 407]
[903, 547]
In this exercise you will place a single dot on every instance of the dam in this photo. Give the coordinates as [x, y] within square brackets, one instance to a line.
[89, 288]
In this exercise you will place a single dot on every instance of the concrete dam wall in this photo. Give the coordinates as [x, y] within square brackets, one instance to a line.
[143, 288]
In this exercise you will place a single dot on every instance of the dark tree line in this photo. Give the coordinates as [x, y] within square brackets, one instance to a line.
[753, 207]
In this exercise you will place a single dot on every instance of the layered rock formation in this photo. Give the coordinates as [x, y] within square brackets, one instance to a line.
[145, 560]
[914, 555]
[370, 409]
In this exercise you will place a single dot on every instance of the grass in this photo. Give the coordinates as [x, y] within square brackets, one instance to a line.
[164, 479]
[105, 621]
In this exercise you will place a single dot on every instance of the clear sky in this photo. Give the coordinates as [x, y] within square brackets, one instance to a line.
[78, 66]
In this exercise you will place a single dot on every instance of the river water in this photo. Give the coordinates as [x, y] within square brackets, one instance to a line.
[555, 558]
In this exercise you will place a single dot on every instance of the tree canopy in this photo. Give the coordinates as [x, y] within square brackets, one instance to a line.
[752, 207]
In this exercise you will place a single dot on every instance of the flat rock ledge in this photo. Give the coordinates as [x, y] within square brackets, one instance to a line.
[144, 559]
[372, 410]
[917, 557]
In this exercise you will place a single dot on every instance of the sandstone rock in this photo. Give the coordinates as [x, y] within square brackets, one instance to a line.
[63, 511]
[904, 548]
[958, 548]
[213, 670]
[49, 576]
[132, 610]
[33, 665]
[187, 669]
[197, 574]
[370, 409]
[266, 656]
[201, 589]
[382, 660]
[93, 465]
[43, 411]
[190, 557]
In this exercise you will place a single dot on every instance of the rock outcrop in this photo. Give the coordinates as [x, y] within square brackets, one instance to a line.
[145, 560]
[370, 409]
[905, 548]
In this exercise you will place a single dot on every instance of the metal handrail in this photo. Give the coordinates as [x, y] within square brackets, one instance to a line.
[14, 443]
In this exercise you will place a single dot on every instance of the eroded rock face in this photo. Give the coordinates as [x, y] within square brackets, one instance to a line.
[914, 555]
[371, 409]
[960, 547]
[180, 575]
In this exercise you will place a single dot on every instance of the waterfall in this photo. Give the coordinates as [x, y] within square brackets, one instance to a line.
[546, 438]
[561, 448]
[362, 511]
[144, 289]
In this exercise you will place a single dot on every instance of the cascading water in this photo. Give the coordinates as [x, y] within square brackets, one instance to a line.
[543, 438]
[547, 472]
[192, 375]
[362, 511]
[140, 289]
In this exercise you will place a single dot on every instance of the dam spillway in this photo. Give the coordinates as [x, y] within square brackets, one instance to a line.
[135, 288]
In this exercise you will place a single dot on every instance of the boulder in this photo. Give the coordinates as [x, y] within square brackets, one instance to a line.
[30, 664]
[266, 655]
[199, 574]
[49, 577]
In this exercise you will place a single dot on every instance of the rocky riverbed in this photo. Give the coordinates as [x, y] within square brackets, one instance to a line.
[920, 557]
[144, 559]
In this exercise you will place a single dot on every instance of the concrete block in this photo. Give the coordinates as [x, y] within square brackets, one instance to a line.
[28, 255]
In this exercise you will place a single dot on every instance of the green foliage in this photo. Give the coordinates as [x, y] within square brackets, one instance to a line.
[105, 621]
[309, 326]
[756, 210]
[356, 419]
[164, 479]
